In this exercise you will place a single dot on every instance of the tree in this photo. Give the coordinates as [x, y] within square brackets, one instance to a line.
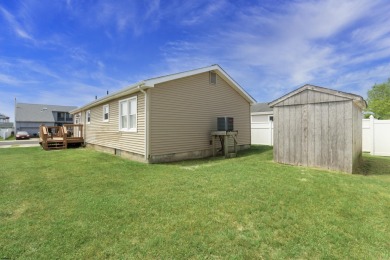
[379, 100]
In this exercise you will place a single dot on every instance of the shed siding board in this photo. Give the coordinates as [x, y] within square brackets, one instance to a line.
[280, 134]
[286, 136]
[107, 134]
[292, 135]
[357, 127]
[184, 111]
[333, 156]
[311, 135]
[340, 135]
[324, 135]
[317, 134]
[297, 135]
[304, 124]
[276, 134]
[348, 136]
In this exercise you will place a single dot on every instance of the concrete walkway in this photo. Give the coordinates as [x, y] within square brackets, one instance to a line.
[19, 143]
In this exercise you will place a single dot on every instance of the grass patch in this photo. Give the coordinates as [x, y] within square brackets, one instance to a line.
[10, 138]
[78, 203]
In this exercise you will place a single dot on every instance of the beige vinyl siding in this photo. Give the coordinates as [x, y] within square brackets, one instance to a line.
[107, 134]
[183, 112]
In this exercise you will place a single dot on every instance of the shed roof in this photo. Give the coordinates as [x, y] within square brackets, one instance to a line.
[150, 83]
[38, 112]
[261, 107]
[356, 98]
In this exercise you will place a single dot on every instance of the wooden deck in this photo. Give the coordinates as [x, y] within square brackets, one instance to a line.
[61, 137]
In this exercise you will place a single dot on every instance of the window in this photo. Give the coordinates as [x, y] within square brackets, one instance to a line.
[88, 116]
[271, 118]
[106, 111]
[128, 114]
[60, 116]
[213, 77]
[69, 117]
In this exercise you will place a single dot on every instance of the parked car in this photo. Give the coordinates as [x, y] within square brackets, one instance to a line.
[22, 135]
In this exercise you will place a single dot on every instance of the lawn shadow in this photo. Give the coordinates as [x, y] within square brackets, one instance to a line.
[254, 150]
[374, 165]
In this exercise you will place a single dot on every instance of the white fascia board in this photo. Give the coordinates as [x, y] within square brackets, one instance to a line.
[126, 91]
[153, 82]
[234, 84]
[262, 113]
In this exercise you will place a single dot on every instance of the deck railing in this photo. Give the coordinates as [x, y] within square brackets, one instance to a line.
[58, 137]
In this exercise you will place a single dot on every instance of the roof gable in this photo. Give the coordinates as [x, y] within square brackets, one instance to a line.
[335, 94]
[150, 83]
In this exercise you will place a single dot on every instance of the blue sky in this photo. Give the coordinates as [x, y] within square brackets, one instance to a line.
[66, 52]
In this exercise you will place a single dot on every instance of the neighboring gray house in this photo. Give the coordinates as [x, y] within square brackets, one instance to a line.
[28, 117]
[4, 122]
[261, 113]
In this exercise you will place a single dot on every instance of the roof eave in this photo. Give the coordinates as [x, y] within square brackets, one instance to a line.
[124, 92]
[356, 98]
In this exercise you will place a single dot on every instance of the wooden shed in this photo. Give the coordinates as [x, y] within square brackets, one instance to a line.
[320, 127]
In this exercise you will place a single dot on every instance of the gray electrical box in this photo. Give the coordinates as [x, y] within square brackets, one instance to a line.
[225, 124]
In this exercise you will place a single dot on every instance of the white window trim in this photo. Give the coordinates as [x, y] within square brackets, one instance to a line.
[108, 112]
[128, 100]
[86, 117]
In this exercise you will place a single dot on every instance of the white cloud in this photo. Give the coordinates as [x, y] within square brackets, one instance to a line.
[15, 25]
[272, 51]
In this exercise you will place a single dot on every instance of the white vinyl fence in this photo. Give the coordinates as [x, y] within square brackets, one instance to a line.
[376, 135]
[5, 132]
[262, 133]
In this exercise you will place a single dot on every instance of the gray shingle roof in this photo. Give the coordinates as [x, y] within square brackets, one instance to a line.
[261, 107]
[38, 112]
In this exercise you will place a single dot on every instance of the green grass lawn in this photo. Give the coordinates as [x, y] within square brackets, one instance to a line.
[12, 137]
[78, 203]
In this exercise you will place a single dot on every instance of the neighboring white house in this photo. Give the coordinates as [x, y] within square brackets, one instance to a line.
[6, 127]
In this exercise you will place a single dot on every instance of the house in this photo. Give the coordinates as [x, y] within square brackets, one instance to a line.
[4, 122]
[167, 118]
[6, 127]
[262, 124]
[261, 113]
[320, 127]
[28, 117]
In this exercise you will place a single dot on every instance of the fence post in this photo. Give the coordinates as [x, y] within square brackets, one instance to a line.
[371, 135]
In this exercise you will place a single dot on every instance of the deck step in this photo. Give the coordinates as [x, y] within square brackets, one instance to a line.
[55, 145]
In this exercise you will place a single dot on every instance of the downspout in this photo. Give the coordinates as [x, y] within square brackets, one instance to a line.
[143, 89]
